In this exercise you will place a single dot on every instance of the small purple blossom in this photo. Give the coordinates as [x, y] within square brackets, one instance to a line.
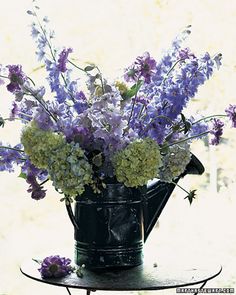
[36, 190]
[63, 57]
[131, 74]
[143, 67]
[16, 77]
[81, 103]
[186, 54]
[197, 128]
[43, 119]
[34, 31]
[29, 169]
[231, 113]
[24, 109]
[14, 111]
[146, 66]
[216, 131]
[55, 267]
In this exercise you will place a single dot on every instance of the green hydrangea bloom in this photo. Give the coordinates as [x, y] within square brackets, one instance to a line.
[39, 144]
[137, 163]
[69, 169]
[175, 162]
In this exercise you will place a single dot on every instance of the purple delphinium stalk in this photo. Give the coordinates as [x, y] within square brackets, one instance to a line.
[62, 60]
[231, 113]
[55, 65]
[176, 89]
[166, 63]
[42, 36]
[16, 77]
[55, 267]
[54, 80]
[216, 131]
[166, 98]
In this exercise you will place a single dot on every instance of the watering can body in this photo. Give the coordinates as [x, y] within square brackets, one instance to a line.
[111, 227]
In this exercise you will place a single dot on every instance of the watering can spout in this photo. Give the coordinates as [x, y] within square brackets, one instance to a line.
[158, 193]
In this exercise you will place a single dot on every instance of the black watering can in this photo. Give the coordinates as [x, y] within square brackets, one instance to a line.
[111, 227]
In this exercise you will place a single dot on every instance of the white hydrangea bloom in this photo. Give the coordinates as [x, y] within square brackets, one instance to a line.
[175, 162]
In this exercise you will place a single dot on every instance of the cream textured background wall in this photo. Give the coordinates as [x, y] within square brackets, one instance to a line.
[112, 34]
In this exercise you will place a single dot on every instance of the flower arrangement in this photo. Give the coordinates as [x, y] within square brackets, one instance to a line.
[129, 130]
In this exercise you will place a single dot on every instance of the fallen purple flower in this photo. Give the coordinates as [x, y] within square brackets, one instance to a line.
[55, 267]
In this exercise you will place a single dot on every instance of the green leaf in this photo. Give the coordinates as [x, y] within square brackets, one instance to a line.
[2, 122]
[132, 91]
[187, 126]
[183, 118]
[22, 175]
[37, 260]
[89, 68]
[191, 196]
[79, 273]
[30, 12]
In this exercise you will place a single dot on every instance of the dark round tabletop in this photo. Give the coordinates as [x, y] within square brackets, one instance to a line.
[143, 277]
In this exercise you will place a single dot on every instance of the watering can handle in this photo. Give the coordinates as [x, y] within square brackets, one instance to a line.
[71, 215]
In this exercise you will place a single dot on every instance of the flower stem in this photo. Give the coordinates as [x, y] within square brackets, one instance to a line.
[208, 117]
[181, 187]
[12, 119]
[73, 64]
[42, 183]
[135, 97]
[31, 80]
[37, 261]
[4, 77]
[10, 148]
[24, 114]
[188, 138]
